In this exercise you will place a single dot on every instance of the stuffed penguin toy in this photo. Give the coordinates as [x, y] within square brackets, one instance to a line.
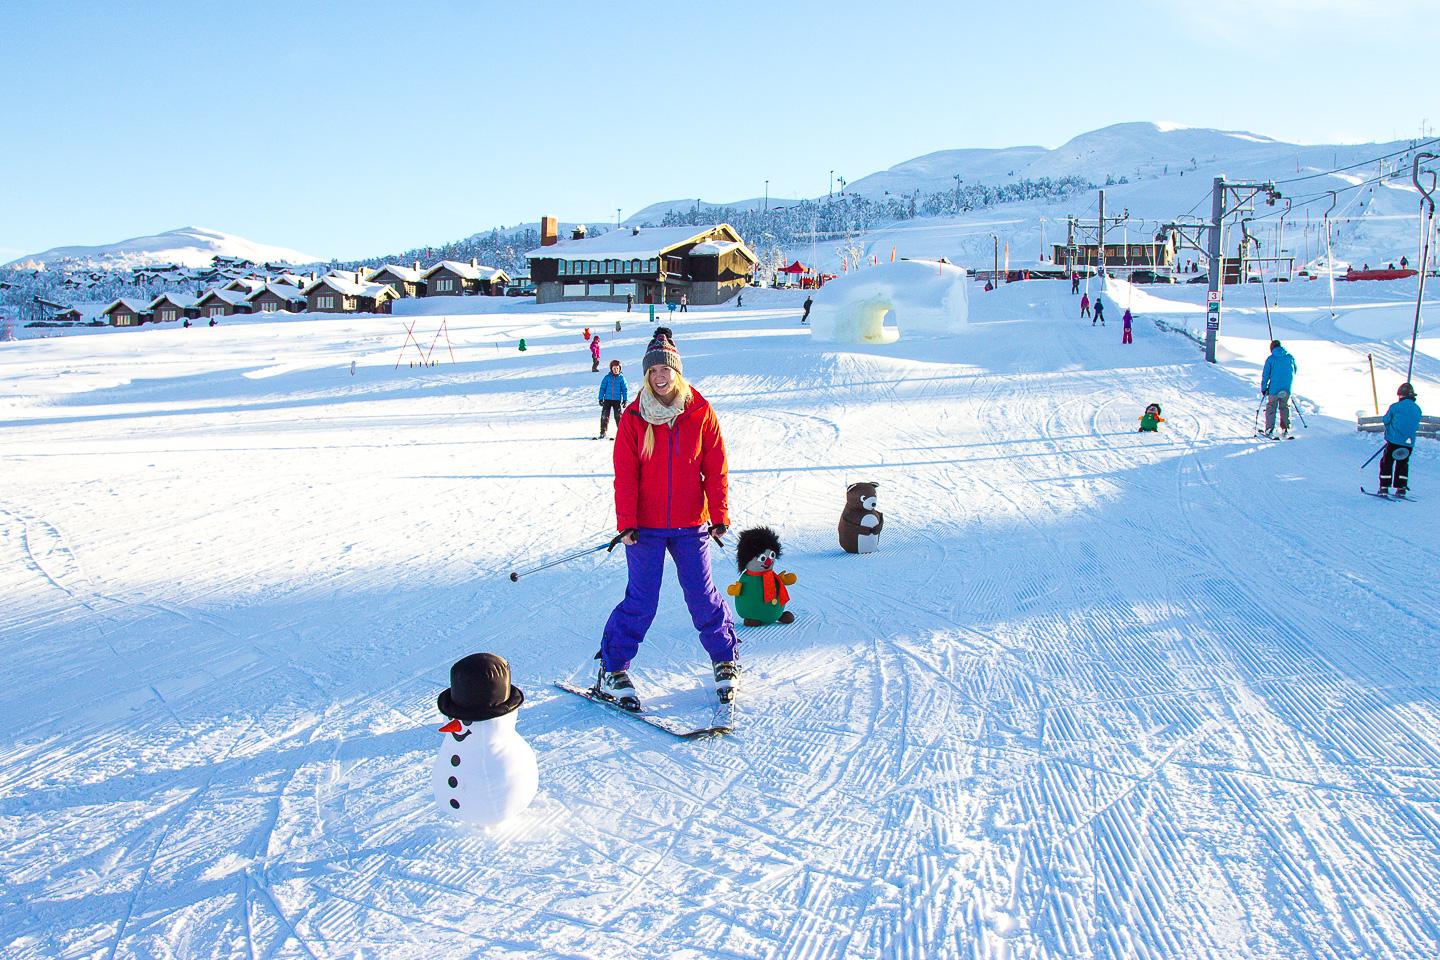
[860, 523]
[760, 594]
[1150, 420]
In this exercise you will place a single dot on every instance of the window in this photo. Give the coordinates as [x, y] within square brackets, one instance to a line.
[574, 289]
[445, 285]
[267, 306]
[564, 267]
[654, 266]
[217, 311]
[325, 303]
[167, 315]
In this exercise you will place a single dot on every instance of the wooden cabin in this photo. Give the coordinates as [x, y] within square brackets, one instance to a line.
[277, 298]
[706, 264]
[405, 281]
[450, 278]
[1121, 256]
[126, 313]
[338, 293]
[214, 304]
[169, 307]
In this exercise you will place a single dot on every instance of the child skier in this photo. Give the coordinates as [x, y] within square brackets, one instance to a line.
[614, 394]
[595, 354]
[1402, 421]
[1099, 311]
[1085, 307]
[1126, 337]
[1150, 420]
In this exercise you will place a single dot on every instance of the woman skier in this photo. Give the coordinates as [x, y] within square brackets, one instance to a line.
[671, 495]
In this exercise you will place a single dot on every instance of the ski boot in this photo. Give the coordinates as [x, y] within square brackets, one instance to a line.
[615, 685]
[727, 680]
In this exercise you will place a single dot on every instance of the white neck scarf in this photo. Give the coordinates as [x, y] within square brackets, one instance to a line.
[658, 413]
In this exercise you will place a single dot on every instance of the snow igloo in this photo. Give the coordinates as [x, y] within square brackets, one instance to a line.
[924, 297]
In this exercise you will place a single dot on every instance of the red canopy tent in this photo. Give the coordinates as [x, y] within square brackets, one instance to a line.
[797, 267]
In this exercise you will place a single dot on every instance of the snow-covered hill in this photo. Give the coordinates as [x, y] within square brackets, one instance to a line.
[655, 212]
[185, 246]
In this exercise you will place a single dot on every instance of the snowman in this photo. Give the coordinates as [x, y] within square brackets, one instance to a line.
[484, 772]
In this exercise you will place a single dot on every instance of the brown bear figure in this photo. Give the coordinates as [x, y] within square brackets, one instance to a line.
[860, 523]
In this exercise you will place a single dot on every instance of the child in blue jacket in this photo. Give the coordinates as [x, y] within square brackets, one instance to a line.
[614, 394]
[1402, 422]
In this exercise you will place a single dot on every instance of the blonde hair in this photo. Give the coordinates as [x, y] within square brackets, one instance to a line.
[682, 397]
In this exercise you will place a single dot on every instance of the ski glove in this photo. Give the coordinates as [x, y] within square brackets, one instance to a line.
[717, 533]
[619, 537]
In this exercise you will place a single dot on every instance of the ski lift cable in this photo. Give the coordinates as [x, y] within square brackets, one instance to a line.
[1326, 173]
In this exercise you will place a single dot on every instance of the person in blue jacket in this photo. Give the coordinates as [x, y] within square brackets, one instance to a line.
[614, 394]
[1402, 421]
[1276, 381]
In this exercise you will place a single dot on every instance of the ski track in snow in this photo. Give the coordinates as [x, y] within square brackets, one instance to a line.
[1099, 694]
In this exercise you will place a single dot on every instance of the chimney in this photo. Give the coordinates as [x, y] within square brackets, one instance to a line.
[474, 262]
[549, 231]
[417, 266]
[579, 232]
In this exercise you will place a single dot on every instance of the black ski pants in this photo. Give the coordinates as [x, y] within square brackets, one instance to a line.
[606, 408]
[1395, 470]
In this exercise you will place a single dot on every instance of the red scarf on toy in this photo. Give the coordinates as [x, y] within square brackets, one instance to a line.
[774, 586]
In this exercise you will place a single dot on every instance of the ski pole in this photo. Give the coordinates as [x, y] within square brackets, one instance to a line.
[1372, 457]
[1257, 412]
[1299, 413]
[525, 572]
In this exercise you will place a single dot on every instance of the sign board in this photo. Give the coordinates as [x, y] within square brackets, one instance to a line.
[1213, 322]
[1213, 296]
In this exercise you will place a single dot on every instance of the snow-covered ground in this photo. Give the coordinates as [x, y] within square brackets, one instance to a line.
[1099, 694]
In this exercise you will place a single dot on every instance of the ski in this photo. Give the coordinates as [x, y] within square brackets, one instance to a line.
[722, 720]
[1386, 496]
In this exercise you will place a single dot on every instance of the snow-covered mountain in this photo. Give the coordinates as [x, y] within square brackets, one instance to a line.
[656, 211]
[186, 247]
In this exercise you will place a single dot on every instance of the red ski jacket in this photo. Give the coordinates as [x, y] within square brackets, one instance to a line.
[684, 483]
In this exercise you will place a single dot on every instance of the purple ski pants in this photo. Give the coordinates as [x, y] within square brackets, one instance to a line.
[689, 547]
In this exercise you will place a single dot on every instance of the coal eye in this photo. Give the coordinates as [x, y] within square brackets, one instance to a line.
[467, 723]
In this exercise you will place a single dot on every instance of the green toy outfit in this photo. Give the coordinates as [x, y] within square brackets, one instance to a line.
[761, 596]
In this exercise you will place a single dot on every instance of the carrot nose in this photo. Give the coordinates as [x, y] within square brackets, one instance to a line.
[452, 727]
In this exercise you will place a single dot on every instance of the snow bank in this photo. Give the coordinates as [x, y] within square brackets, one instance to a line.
[925, 296]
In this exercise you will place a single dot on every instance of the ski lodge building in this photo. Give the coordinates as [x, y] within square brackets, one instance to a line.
[706, 264]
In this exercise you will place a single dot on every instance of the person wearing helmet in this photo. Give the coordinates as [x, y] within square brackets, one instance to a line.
[1402, 422]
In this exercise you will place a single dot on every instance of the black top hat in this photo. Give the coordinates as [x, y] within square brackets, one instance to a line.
[480, 689]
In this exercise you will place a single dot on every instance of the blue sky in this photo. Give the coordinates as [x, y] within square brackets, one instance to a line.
[363, 128]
